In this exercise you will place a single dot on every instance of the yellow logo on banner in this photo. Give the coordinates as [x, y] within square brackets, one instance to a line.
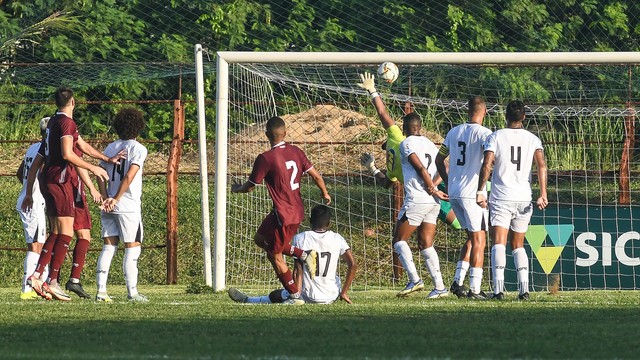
[548, 255]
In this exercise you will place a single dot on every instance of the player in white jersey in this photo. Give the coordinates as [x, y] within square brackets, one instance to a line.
[121, 214]
[464, 147]
[511, 151]
[325, 287]
[420, 208]
[34, 221]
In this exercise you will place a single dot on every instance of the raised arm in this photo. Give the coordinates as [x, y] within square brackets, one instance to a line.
[317, 178]
[485, 171]
[91, 151]
[367, 160]
[424, 175]
[348, 258]
[541, 164]
[66, 143]
[368, 83]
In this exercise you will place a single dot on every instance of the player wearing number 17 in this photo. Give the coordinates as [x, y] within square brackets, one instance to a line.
[281, 168]
[511, 151]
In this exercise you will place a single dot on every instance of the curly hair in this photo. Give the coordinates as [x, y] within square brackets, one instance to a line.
[129, 123]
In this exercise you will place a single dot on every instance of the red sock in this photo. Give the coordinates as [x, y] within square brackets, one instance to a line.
[290, 250]
[59, 253]
[45, 254]
[79, 256]
[287, 281]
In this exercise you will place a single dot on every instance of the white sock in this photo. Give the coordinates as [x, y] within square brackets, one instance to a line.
[432, 263]
[104, 263]
[475, 280]
[461, 271]
[30, 263]
[264, 299]
[130, 269]
[45, 272]
[498, 263]
[406, 258]
[521, 261]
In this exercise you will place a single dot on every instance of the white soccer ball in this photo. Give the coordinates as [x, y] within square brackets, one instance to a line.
[388, 71]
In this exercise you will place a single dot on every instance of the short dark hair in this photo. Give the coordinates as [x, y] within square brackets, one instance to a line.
[515, 111]
[275, 123]
[129, 123]
[63, 95]
[320, 217]
[475, 103]
[410, 118]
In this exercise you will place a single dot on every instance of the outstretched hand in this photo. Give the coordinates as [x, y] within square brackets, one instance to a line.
[116, 159]
[368, 82]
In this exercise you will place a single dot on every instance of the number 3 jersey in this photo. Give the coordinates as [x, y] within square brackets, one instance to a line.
[325, 287]
[281, 169]
[136, 155]
[513, 149]
[464, 143]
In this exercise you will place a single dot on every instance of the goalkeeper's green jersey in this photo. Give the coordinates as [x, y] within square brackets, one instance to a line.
[394, 167]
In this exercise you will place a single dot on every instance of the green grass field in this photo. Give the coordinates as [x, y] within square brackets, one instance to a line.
[177, 325]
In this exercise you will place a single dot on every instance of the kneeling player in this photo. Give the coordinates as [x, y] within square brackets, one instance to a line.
[325, 287]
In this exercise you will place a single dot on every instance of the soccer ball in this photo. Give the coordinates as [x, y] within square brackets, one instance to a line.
[388, 71]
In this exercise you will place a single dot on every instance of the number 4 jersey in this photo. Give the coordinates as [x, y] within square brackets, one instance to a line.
[281, 169]
[325, 287]
[513, 149]
[136, 155]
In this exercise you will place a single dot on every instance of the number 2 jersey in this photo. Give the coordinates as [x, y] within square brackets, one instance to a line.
[513, 150]
[281, 168]
[325, 287]
[136, 154]
[415, 191]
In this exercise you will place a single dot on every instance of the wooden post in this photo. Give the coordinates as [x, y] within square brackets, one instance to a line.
[175, 155]
[624, 196]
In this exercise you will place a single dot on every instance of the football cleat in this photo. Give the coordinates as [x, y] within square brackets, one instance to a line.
[58, 294]
[40, 287]
[524, 296]
[237, 295]
[458, 290]
[138, 298]
[411, 287]
[438, 293]
[29, 295]
[498, 296]
[77, 289]
[103, 297]
[310, 260]
[479, 296]
[293, 301]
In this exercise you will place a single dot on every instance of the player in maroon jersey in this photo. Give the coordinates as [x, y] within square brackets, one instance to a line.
[281, 169]
[56, 180]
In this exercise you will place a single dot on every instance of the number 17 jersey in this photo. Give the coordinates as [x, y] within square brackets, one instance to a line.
[136, 155]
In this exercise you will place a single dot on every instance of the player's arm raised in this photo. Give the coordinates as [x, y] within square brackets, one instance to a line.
[368, 83]
[317, 178]
[348, 258]
[485, 171]
[66, 143]
[541, 164]
[91, 151]
[424, 174]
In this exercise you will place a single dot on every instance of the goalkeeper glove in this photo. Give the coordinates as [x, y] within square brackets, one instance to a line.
[368, 83]
[369, 162]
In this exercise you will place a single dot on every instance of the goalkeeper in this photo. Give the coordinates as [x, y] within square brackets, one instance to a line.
[393, 171]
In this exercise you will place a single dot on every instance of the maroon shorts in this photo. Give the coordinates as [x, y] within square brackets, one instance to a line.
[82, 217]
[275, 234]
[59, 200]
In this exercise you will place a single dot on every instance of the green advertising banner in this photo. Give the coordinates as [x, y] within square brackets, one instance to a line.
[585, 247]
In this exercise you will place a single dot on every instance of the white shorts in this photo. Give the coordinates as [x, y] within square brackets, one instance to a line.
[34, 224]
[472, 217]
[511, 215]
[330, 299]
[417, 214]
[126, 226]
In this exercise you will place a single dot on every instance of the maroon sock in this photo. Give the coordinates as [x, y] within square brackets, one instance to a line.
[290, 250]
[45, 254]
[59, 253]
[287, 281]
[79, 256]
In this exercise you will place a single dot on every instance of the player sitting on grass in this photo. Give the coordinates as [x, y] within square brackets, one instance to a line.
[121, 210]
[325, 287]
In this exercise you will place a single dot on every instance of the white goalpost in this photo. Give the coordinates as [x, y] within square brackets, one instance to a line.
[582, 105]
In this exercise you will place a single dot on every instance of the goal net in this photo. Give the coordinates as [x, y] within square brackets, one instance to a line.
[584, 114]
